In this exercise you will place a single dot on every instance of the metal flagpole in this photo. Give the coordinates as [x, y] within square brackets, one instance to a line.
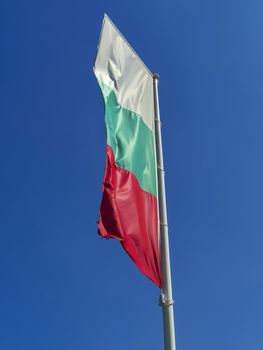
[166, 298]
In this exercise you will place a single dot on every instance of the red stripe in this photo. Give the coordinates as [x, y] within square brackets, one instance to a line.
[129, 214]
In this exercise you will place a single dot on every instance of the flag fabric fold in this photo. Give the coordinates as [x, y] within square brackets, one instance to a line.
[129, 208]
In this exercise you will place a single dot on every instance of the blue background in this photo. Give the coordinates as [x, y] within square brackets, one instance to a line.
[61, 285]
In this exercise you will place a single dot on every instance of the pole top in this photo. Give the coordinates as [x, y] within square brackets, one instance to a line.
[156, 76]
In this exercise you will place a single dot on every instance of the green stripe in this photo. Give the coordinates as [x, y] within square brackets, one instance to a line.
[131, 140]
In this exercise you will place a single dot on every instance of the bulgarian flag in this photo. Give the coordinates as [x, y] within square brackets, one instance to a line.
[129, 208]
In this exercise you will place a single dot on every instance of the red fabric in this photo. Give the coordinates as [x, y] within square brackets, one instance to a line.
[129, 214]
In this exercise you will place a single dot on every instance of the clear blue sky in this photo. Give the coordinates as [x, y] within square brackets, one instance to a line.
[61, 285]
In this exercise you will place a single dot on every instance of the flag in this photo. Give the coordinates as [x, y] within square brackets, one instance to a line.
[129, 207]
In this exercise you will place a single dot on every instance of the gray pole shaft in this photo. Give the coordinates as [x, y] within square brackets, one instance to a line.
[166, 297]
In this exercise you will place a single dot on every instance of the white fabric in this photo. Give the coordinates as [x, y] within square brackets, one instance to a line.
[119, 68]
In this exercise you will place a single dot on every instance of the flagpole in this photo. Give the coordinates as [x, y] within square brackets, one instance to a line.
[166, 297]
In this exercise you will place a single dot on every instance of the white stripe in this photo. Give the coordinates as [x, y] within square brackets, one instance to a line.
[120, 68]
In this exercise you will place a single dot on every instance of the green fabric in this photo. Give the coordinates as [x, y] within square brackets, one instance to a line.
[131, 140]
